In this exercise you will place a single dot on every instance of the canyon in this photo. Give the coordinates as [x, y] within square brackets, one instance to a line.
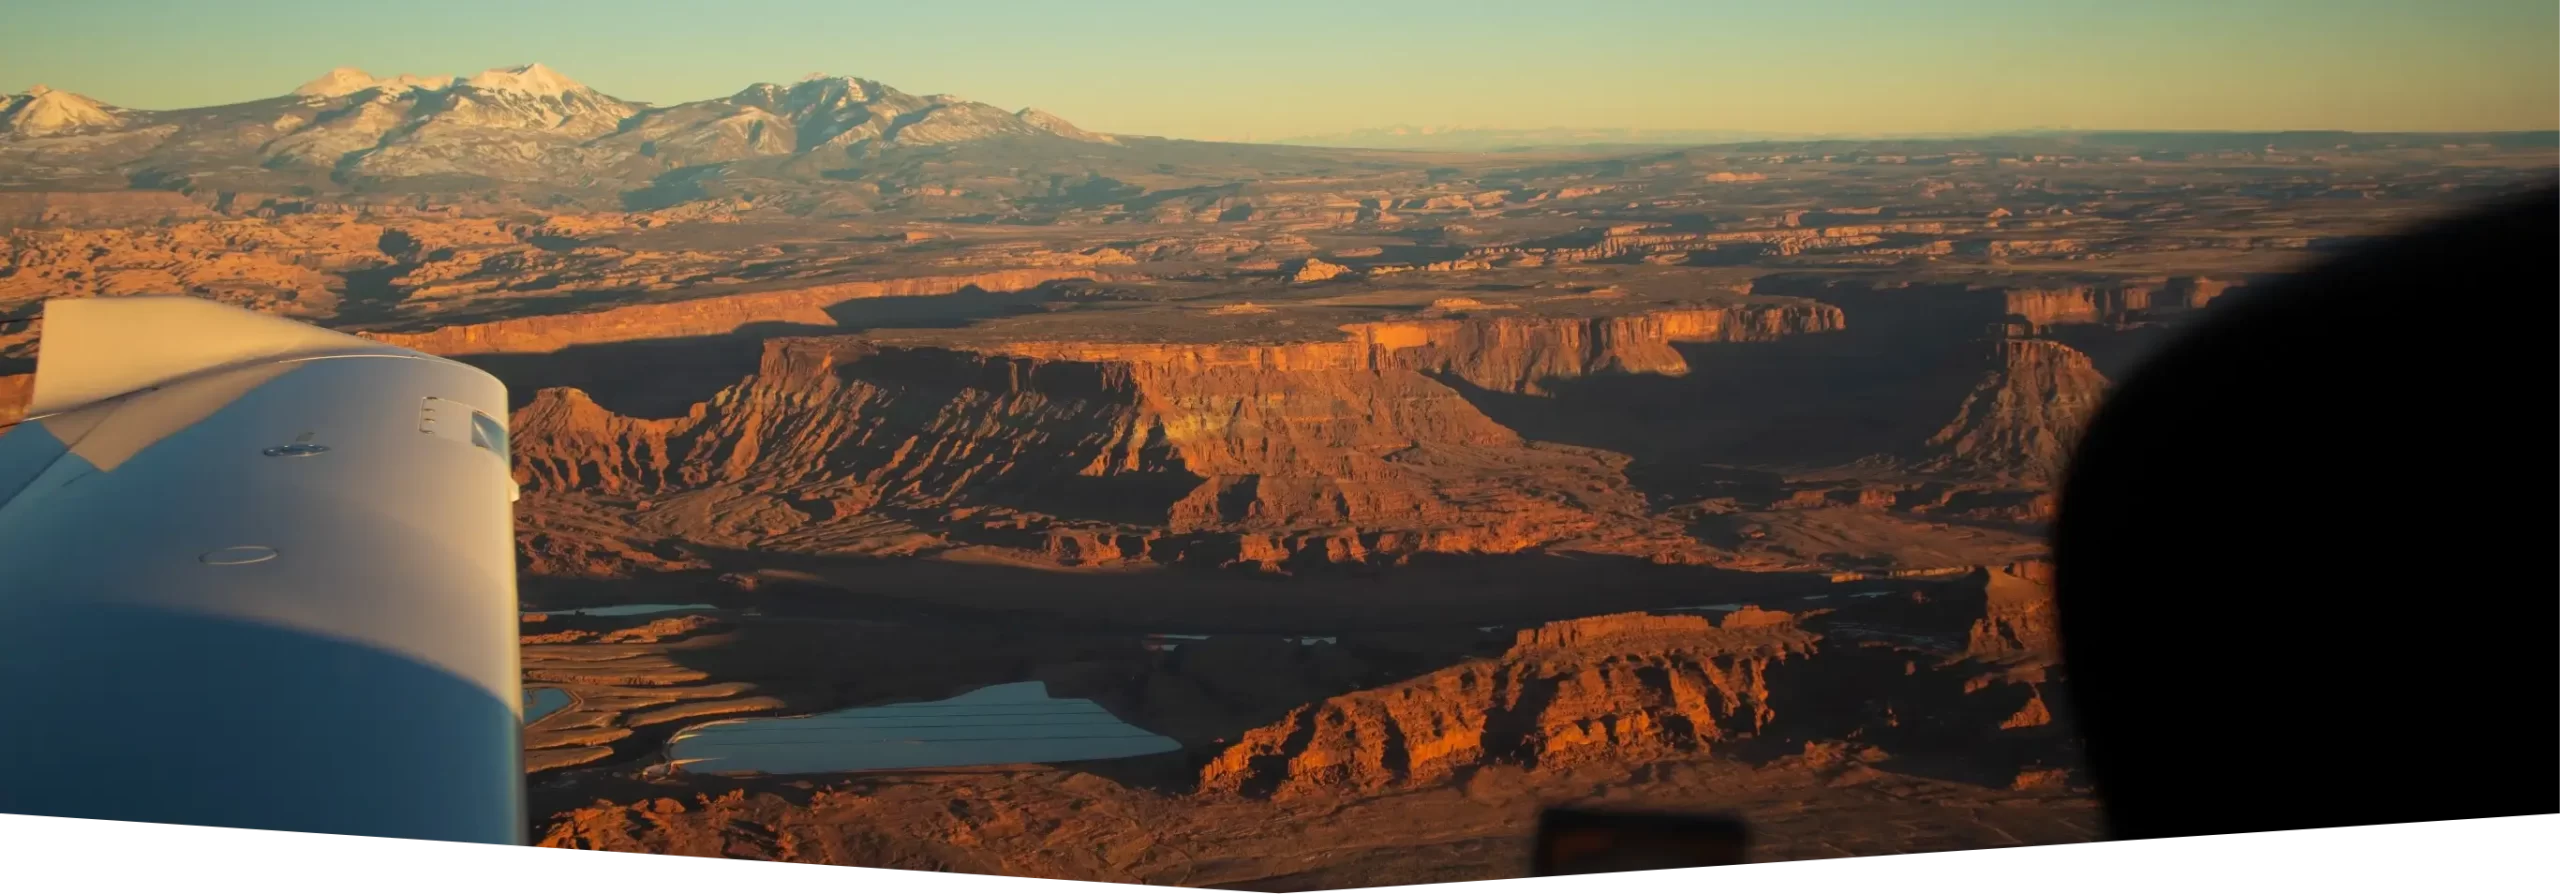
[1406, 492]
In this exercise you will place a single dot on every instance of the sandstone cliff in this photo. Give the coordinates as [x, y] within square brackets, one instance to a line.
[2115, 302]
[2018, 616]
[1342, 451]
[1620, 688]
[2024, 417]
[1519, 355]
[920, 425]
[1956, 672]
[1225, 443]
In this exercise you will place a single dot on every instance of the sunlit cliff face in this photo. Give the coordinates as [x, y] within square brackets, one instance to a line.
[1342, 450]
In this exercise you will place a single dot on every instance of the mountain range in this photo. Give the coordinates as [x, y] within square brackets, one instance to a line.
[510, 125]
[531, 134]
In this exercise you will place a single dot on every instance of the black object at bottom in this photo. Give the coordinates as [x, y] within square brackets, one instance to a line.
[1579, 842]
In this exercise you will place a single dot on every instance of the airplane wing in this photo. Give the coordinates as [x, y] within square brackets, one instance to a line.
[260, 574]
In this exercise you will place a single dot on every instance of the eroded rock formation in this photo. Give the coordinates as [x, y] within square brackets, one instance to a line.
[1337, 451]
[1959, 667]
[1518, 355]
[2018, 617]
[2025, 416]
[1614, 688]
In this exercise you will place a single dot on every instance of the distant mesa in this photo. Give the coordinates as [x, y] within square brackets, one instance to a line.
[1318, 270]
[1461, 305]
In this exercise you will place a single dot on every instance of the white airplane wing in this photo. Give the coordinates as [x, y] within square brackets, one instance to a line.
[260, 574]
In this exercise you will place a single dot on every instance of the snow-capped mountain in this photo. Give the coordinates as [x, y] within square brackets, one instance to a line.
[827, 113]
[525, 124]
[43, 111]
[349, 81]
[508, 123]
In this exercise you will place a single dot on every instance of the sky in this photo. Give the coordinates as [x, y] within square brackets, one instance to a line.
[1219, 69]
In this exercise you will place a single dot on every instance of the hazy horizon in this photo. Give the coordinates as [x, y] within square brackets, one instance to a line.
[1836, 67]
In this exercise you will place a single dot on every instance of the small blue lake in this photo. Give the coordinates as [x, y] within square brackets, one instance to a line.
[1016, 723]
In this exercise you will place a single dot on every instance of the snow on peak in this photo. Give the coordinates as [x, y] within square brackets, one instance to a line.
[414, 82]
[43, 110]
[830, 88]
[535, 79]
[348, 81]
[1059, 126]
[340, 81]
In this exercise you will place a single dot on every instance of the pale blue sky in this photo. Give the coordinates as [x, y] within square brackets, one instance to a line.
[1225, 70]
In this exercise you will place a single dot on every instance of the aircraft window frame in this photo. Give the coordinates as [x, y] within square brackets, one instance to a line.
[488, 434]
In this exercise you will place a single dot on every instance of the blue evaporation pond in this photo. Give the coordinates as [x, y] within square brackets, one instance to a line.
[1016, 723]
[539, 703]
